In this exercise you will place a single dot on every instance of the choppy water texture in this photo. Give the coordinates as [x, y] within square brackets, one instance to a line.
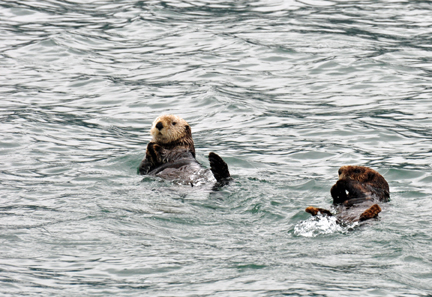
[285, 91]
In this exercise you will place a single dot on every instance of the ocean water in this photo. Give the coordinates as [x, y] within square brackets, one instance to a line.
[285, 91]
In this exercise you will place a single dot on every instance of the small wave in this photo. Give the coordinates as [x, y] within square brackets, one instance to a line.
[320, 225]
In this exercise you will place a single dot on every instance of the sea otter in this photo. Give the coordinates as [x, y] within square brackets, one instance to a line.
[171, 154]
[355, 194]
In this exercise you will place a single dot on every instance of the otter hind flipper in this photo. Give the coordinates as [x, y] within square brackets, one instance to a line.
[219, 168]
[370, 213]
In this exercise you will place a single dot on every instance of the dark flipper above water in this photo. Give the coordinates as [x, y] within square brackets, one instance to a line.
[219, 169]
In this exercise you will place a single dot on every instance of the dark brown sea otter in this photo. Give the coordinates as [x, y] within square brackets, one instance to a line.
[171, 154]
[355, 194]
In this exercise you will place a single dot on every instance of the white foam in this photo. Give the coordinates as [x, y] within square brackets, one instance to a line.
[320, 225]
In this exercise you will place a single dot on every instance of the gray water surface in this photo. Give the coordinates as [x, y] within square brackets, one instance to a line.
[285, 91]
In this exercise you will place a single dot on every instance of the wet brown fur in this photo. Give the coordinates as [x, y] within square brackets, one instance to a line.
[359, 182]
[355, 194]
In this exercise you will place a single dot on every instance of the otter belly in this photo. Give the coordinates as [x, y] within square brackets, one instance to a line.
[356, 212]
[183, 171]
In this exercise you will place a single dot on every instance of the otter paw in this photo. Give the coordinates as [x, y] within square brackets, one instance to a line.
[370, 213]
[339, 192]
[153, 153]
[315, 210]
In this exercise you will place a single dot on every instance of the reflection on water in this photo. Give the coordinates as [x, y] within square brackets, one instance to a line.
[285, 91]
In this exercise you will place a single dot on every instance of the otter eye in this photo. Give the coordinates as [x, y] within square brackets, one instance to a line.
[174, 123]
[356, 170]
[339, 172]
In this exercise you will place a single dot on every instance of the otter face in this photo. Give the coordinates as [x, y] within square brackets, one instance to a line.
[357, 173]
[169, 128]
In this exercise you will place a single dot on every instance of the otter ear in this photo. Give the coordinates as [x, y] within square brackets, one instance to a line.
[370, 175]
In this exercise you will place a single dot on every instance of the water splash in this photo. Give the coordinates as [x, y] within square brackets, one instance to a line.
[320, 225]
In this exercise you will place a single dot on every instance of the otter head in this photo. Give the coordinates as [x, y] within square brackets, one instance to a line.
[365, 176]
[171, 129]
[357, 173]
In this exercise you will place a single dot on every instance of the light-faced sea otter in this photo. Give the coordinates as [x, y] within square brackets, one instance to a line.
[171, 154]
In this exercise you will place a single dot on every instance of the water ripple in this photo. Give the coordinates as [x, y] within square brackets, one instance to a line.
[286, 91]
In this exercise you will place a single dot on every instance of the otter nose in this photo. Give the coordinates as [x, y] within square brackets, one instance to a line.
[159, 125]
